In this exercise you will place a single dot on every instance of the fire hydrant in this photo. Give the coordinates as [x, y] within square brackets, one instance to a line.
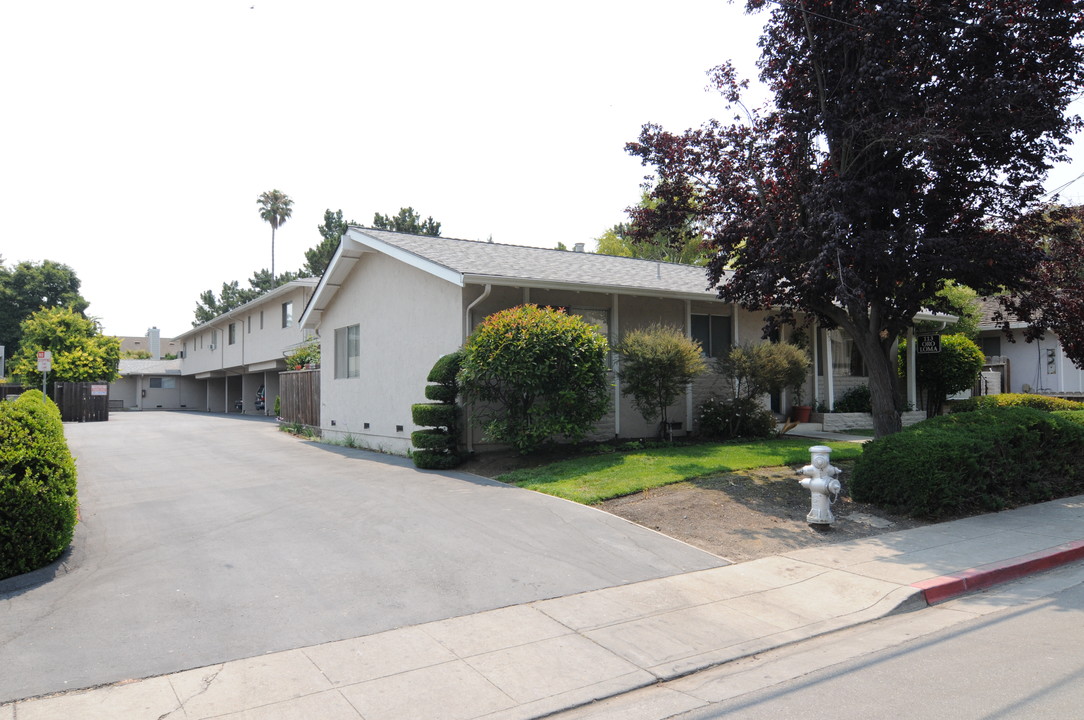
[821, 482]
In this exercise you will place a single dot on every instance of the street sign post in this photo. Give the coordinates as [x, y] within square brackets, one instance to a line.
[45, 364]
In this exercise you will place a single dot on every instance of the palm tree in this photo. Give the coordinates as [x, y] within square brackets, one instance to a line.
[275, 208]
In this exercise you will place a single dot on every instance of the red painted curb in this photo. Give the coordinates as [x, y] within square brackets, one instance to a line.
[946, 587]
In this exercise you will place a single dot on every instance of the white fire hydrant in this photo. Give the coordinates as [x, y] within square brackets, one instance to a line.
[821, 482]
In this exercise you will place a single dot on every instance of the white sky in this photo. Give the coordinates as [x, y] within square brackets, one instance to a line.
[136, 136]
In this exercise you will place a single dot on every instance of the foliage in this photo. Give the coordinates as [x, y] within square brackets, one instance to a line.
[29, 287]
[903, 141]
[1038, 402]
[950, 371]
[319, 257]
[136, 354]
[1073, 416]
[958, 300]
[742, 417]
[37, 485]
[533, 373]
[407, 221]
[657, 363]
[854, 400]
[681, 243]
[634, 468]
[968, 463]
[275, 209]
[278, 406]
[1053, 297]
[437, 446]
[80, 352]
[764, 367]
[306, 353]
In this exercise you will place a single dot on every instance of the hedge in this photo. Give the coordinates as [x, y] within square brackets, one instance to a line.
[437, 447]
[37, 485]
[1039, 402]
[973, 462]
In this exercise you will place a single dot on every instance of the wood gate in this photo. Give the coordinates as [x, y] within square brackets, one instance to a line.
[82, 401]
[299, 397]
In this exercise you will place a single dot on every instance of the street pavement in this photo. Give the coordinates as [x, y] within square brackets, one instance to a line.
[207, 538]
[564, 653]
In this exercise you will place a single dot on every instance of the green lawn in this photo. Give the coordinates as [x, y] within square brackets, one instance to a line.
[594, 478]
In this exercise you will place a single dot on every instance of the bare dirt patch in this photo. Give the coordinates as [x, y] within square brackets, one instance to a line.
[738, 516]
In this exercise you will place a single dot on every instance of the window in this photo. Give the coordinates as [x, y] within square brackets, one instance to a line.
[846, 359]
[233, 333]
[261, 319]
[712, 332]
[249, 320]
[163, 383]
[348, 351]
[214, 339]
[287, 313]
[991, 346]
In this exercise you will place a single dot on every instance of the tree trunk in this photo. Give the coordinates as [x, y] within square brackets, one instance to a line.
[880, 360]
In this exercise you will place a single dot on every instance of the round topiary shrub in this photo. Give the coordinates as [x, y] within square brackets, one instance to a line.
[37, 485]
[969, 463]
[533, 373]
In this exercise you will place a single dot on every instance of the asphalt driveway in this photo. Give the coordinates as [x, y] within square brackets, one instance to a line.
[207, 538]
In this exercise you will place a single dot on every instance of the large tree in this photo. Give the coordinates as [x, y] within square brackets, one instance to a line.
[407, 221]
[30, 286]
[319, 256]
[209, 306]
[80, 352]
[1053, 299]
[679, 240]
[275, 209]
[904, 140]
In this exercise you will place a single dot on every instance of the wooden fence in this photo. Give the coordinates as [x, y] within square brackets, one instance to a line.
[299, 397]
[9, 389]
[82, 401]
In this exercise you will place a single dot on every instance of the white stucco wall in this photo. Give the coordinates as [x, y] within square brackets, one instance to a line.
[1031, 364]
[407, 320]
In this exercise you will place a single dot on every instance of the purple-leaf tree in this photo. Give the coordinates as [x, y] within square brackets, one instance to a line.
[905, 140]
[1053, 299]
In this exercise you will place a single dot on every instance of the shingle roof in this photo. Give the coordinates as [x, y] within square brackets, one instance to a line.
[475, 260]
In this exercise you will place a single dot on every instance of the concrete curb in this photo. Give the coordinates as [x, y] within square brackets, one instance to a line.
[939, 589]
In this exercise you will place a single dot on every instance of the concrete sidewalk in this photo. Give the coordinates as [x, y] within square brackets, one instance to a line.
[531, 660]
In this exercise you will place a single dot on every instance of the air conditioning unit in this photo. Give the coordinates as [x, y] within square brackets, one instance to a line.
[213, 346]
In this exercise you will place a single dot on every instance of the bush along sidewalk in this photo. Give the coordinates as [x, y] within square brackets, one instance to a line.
[37, 485]
[437, 446]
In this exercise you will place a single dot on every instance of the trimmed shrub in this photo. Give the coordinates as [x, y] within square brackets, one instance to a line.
[1038, 402]
[437, 448]
[657, 363]
[720, 419]
[952, 370]
[855, 400]
[1073, 416]
[37, 485]
[533, 373]
[764, 367]
[969, 463]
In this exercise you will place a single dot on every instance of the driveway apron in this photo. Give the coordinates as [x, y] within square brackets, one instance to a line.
[208, 538]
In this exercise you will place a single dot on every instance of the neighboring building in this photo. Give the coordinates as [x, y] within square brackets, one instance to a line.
[152, 342]
[1024, 367]
[153, 385]
[390, 304]
[229, 359]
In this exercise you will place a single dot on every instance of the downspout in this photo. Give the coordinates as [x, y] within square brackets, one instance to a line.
[829, 371]
[466, 334]
[689, 387]
[615, 332]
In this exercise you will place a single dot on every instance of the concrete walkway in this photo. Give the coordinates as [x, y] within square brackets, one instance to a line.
[534, 659]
